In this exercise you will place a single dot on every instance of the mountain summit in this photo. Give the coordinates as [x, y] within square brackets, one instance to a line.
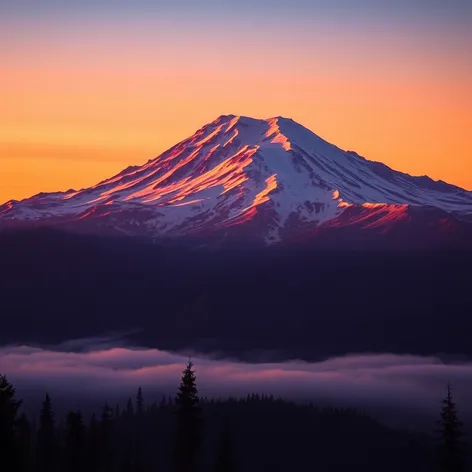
[264, 181]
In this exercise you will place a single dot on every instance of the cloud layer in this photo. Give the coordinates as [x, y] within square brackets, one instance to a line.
[376, 382]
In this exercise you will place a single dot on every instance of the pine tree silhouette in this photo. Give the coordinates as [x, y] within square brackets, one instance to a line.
[224, 459]
[46, 443]
[93, 446]
[25, 443]
[188, 422]
[129, 408]
[106, 431]
[139, 402]
[128, 435]
[9, 407]
[451, 447]
[74, 444]
[138, 460]
[163, 402]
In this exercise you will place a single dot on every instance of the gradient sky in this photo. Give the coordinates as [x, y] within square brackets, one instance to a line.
[88, 88]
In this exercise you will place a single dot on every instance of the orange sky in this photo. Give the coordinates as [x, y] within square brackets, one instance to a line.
[79, 104]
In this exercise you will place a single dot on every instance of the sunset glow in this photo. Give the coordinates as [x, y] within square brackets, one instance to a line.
[86, 95]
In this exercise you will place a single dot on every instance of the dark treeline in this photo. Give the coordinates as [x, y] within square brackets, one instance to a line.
[192, 434]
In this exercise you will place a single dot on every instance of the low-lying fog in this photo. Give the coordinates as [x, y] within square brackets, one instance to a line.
[401, 390]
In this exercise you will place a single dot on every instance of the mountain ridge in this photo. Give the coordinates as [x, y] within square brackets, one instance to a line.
[271, 176]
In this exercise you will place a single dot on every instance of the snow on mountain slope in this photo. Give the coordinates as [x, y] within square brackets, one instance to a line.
[234, 171]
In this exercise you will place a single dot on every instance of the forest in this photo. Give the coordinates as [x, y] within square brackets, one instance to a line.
[192, 434]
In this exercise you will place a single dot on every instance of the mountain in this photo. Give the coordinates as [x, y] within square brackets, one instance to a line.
[261, 181]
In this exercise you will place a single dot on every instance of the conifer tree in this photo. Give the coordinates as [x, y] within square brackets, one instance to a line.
[138, 461]
[93, 446]
[128, 434]
[24, 429]
[74, 446]
[188, 422]
[46, 443]
[224, 459]
[163, 402]
[451, 447]
[139, 402]
[106, 432]
[9, 407]
[129, 408]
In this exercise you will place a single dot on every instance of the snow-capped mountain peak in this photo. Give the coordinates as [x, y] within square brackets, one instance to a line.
[271, 176]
